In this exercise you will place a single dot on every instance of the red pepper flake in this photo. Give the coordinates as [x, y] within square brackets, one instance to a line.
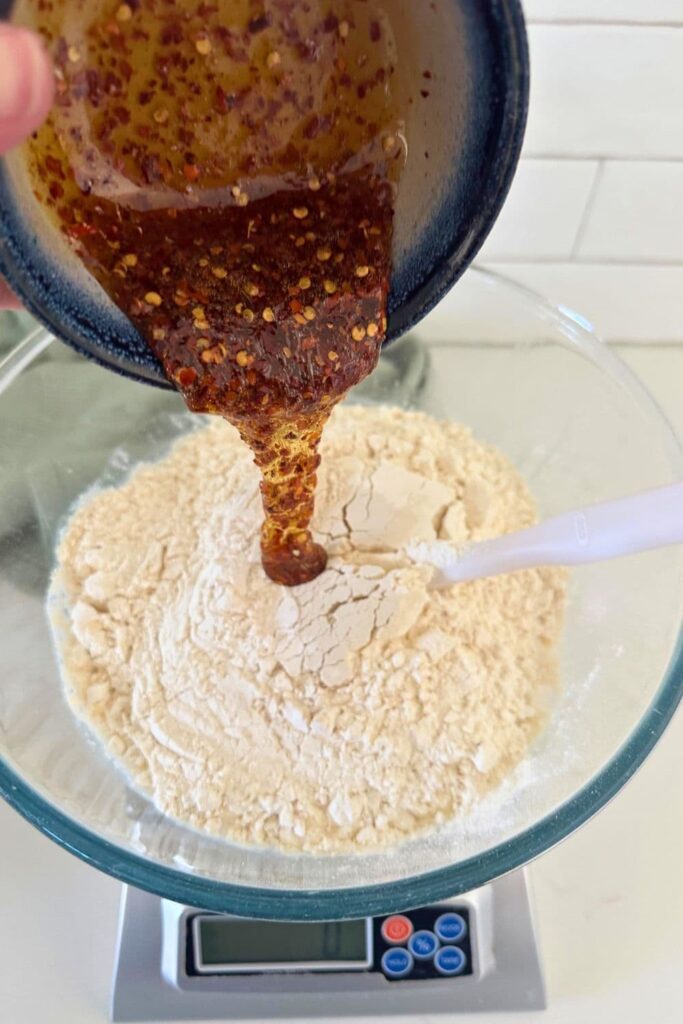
[172, 34]
[151, 169]
[312, 127]
[80, 230]
[424, 93]
[375, 31]
[61, 52]
[186, 377]
[258, 24]
[54, 166]
[191, 172]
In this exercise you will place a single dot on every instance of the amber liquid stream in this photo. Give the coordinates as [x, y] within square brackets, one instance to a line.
[226, 170]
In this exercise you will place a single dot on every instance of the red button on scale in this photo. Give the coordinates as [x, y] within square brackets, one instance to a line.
[397, 929]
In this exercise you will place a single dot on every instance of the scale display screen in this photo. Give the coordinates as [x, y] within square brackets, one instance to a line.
[224, 944]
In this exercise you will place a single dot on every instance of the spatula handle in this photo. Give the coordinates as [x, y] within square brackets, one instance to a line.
[626, 526]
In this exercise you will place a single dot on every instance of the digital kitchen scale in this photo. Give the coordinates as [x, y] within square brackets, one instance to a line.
[474, 953]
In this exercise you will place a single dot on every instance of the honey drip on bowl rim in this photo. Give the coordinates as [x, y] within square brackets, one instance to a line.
[227, 171]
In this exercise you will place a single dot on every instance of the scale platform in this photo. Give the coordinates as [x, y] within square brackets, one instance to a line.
[477, 952]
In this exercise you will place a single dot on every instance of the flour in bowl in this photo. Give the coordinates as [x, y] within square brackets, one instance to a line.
[347, 714]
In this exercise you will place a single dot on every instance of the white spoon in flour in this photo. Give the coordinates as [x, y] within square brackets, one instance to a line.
[653, 519]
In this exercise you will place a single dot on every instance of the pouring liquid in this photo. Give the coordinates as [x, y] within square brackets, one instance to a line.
[227, 172]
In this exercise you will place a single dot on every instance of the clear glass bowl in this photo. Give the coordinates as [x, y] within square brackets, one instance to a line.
[531, 379]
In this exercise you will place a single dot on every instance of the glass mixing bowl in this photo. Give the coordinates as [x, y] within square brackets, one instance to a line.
[533, 380]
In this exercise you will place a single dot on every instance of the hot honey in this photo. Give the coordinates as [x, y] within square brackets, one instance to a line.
[227, 171]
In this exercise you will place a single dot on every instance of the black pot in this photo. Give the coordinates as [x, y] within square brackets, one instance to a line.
[465, 140]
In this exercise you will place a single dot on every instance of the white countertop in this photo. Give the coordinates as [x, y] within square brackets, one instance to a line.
[609, 900]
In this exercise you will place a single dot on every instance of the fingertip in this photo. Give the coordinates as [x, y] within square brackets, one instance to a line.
[8, 299]
[43, 91]
[26, 84]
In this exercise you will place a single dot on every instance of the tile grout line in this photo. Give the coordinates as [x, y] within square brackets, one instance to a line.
[606, 23]
[642, 158]
[587, 210]
[657, 345]
[571, 158]
[587, 261]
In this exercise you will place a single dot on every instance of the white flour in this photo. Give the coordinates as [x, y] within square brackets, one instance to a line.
[347, 714]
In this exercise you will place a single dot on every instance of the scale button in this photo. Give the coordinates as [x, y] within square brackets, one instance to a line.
[451, 927]
[423, 945]
[397, 929]
[396, 963]
[449, 961]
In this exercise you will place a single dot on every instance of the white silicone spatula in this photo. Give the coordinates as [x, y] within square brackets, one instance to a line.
[653, 519]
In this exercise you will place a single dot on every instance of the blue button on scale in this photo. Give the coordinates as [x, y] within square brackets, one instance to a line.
[423, 945]
[450, 961]
[450, 927]
[397, 963]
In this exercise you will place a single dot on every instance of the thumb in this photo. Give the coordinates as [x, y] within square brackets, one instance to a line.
[26, 85]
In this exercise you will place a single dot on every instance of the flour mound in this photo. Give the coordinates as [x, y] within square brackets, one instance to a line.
[344, 715]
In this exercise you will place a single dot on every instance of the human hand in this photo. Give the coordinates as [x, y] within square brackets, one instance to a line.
[26, 94]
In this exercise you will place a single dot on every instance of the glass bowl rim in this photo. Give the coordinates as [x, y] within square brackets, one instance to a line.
[419, 890]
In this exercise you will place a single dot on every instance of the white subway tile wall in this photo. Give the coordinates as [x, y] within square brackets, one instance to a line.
[594, 218]
[603, 91]
[642, 12]
[637, 213]
[543, 213]
[635, 302]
